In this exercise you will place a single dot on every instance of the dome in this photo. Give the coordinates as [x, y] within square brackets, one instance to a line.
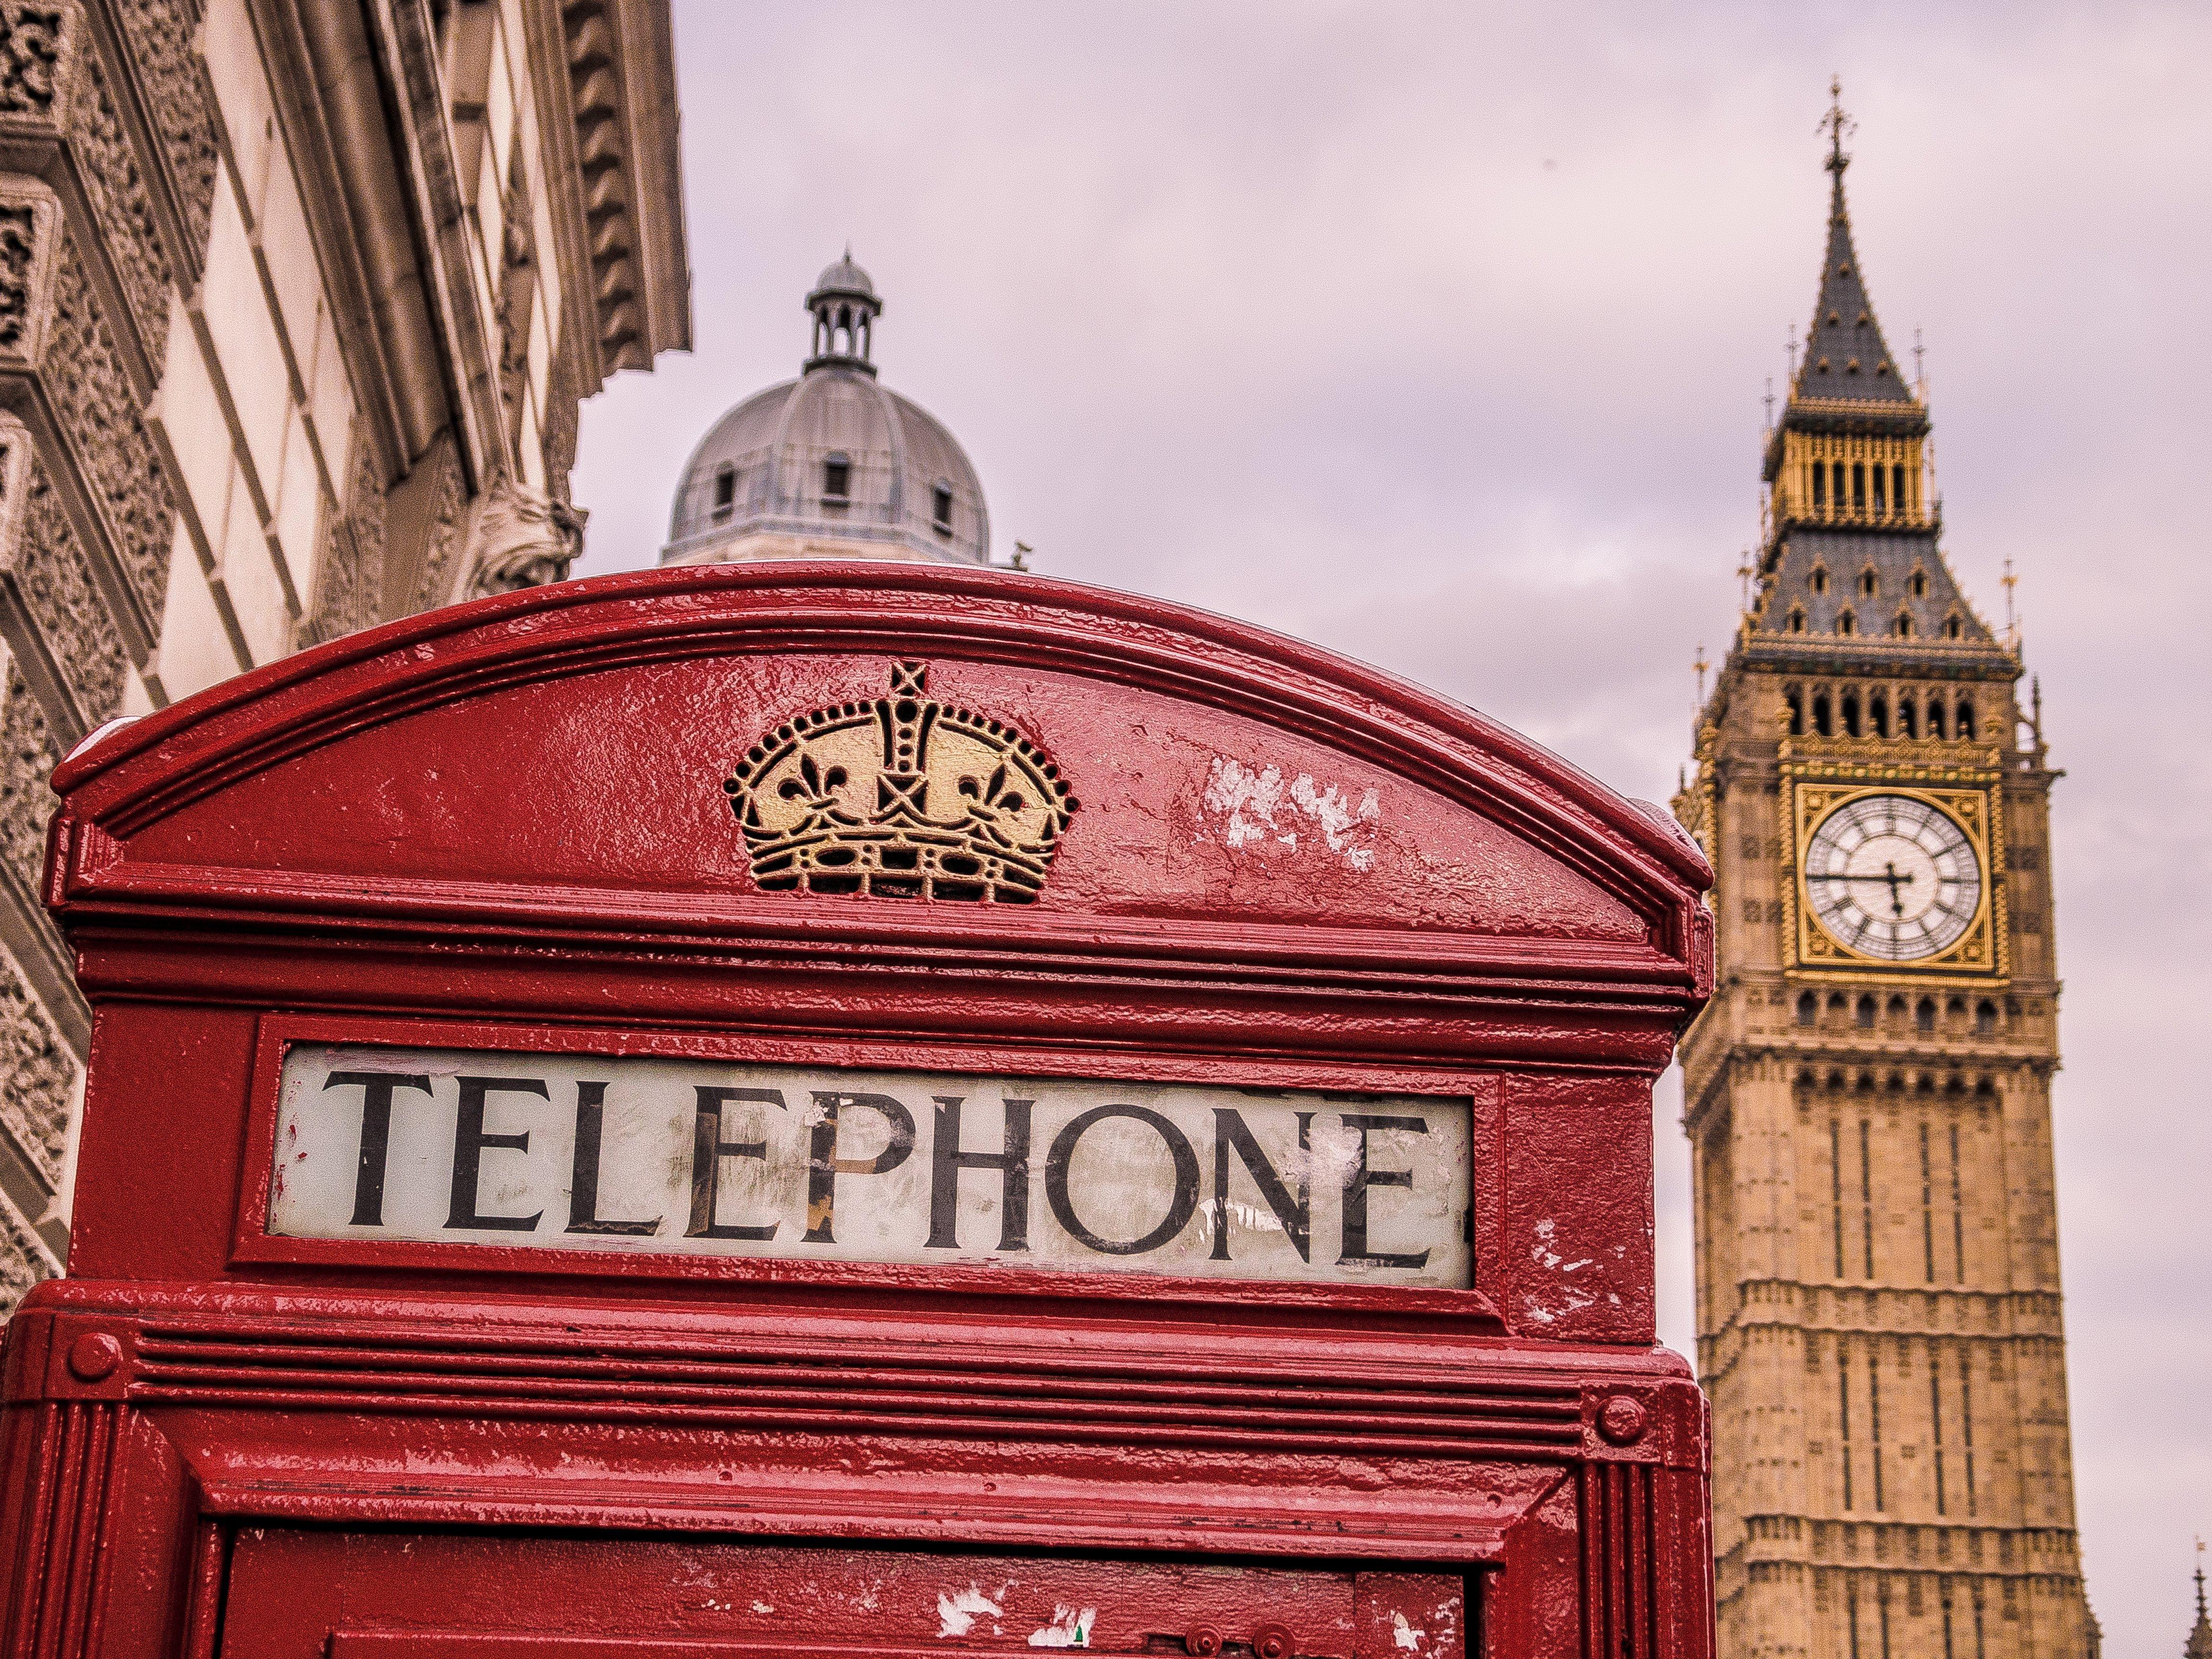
[832, 463]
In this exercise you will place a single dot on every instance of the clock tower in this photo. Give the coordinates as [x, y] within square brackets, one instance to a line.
[1867, 1096]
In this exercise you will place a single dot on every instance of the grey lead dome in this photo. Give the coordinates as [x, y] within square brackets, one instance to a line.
[832, 463]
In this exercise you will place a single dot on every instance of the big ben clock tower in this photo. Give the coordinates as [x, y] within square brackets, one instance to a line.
[1867, 1096]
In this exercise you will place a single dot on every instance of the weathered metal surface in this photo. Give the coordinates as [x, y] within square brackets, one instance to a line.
[505, 830]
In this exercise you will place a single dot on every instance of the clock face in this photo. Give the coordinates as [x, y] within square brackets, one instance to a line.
[1893, 877]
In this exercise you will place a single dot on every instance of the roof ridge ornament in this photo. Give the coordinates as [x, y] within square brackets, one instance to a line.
[902, 797]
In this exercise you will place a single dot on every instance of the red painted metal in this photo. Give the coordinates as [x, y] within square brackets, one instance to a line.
[502, 826]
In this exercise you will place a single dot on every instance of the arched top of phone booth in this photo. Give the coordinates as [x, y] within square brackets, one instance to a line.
[561, 765]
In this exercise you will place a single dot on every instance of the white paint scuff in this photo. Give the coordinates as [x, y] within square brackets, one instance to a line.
[1264, 810]
[957, 1611]
[1405, 1635]
[1068, 1629]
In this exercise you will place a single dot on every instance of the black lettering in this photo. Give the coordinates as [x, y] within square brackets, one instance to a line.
[708, 1149]
[470, 1144]
[824, 1166]
[584, 1184]
[1355, 1193]
[947, 1160]
[1181, 1205]
[1230, 1130]
[376, 1088]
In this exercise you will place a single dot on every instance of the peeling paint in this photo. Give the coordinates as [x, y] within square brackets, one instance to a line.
[957, 1613]
[1262, 809]
[1068, 1629]
[1405, 1635]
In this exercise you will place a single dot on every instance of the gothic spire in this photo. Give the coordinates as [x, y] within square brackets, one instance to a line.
[2200, 1639]
[1845, 357]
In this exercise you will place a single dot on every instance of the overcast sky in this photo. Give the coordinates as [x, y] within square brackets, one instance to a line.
[1438, 335]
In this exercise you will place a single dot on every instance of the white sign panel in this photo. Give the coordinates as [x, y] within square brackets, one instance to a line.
[560, 1151]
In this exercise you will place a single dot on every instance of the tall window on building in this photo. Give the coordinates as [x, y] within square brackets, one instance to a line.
[1966, 1426]
[726, 492]
[1873, 1430]
[837, 478]
[1866, 1191]
[1844, 1419]
[1958, 1206]
[1926, 1204]
[1936, 1425]
[1836, 1182]
[940, 509]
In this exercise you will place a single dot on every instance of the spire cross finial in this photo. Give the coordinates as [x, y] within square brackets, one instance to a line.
[1837, 123]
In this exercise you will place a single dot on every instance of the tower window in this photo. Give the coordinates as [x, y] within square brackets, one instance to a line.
[1797, 619]
[1908, 718]
[837, 478]
[1903, 626]
[1965, 725]
[1935, 718]
[726, 492]
[1866, 1013]
[1847, 623]
[1878, 714]
[1796, 698]
[1924, 1017]
[1850, 713]
[1897, 497]
[1820, 578]
[1919, 584]
[1868, 582]
[1858, 486]
[1985, 1019]
[1880, 491]
[940, 509]
[1839, 486]
[1952, 627]
[1808, 1008]
[1820, 725]
[1820, 485]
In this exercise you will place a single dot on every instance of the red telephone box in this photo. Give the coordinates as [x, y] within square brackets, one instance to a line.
[811, 1109]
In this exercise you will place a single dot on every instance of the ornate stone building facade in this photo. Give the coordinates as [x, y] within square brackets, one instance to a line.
[1869, 1094]
[297, 302]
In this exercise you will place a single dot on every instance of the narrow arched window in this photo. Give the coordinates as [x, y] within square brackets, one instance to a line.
[1820, 485]
[1808, 1008]
[1796, 620]
[1919, 584]
[726, 492]
[1985, 1019]
[1837, 1003]
[1850, 713]
[837, 478]
[1903, 626]
[1897, 492]
[1878, 714]
[1847, 623]
[940, 509]
[1858, 487]
[1869, 584]
[1924, 1017]
[1953, 628]
[1866, 1011]
[1881, 492]
[1797, 701]
[1908, 718]
[1820, 578]
[1820, 725]
[1895, 1011]
[1935, 718]
[1965, 728]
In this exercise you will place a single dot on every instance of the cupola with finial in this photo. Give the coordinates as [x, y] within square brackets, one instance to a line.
[845, 309]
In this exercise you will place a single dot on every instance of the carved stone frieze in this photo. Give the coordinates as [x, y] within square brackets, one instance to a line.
[559, 436]
[37, 1072]
[28, 754]
[28, 213]
[100, 420]
[22, 1264]
[39, 553]
[522, 537]
[33, 41]
[115, 184]
[448, 528]
[350, 579]
[158, 35]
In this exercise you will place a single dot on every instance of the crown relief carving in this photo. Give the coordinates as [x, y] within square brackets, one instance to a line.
[903, 797]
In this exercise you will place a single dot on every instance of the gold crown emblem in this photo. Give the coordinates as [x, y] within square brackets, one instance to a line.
[901, 798]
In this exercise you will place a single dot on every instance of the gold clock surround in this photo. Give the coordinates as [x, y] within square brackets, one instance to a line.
[1978, 954]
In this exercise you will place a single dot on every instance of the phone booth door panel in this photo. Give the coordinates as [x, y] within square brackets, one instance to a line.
[302, 1593]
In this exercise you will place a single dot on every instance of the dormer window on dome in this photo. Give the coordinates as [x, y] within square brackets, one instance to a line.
[940, 509]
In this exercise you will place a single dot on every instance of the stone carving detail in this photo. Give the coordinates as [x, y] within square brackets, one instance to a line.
[49, 566]
[100, 419]
[904, 797]
[559, 436]
[350, 578]
[448, 526]
[116, 183]
[595, 81]
[22, 1261]
[523, 538]
[28, 755]
[30, 57]
[19, 259]
[36, 1073]
[518, 291]
[158, 34]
